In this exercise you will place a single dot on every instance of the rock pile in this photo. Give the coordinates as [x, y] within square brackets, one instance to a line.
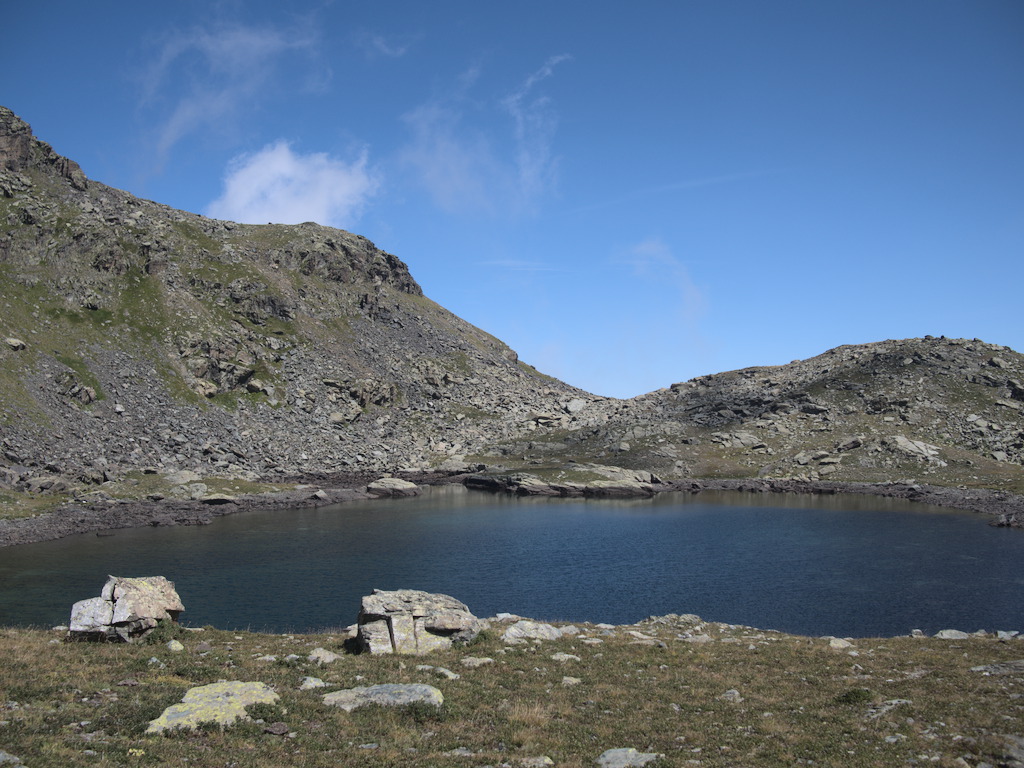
[127, 609]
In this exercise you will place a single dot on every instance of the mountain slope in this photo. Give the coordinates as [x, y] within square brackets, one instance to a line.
[154, 337]
[946, 411]
[146, 343]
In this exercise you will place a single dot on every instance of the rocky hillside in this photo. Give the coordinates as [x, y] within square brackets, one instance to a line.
[934, 410]
[143, 342]
[138, 336]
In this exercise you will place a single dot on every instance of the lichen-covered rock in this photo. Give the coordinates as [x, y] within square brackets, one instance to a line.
[387, 695]
[409, 621]
[221, 703]
[127, 608]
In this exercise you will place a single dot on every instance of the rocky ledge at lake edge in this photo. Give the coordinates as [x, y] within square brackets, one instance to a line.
[1002, 509]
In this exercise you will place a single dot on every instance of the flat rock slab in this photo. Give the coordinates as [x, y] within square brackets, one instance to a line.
[626, 758]
[533, 630]
[1015, 667]
[951, 634]
[386, 695]
[221, 703]
[392, 487]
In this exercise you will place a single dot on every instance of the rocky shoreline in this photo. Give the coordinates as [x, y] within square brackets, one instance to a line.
[1005, 509]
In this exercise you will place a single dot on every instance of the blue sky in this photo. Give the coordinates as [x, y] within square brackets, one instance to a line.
[629, 195]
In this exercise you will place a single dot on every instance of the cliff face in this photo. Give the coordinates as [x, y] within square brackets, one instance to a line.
[139, 337]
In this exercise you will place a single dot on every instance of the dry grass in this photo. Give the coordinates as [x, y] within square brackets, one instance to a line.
[799, 701]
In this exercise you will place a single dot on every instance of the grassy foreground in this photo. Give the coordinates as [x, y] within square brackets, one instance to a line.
[736, 697]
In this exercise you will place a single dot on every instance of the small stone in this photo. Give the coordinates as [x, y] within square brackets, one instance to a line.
[276, 729]
[839, 643]
[472, 662]
[563, 657]
[570, 681]
[951, 634]
[732, 695]
[308, 683]
[322, 656]
[174, 646]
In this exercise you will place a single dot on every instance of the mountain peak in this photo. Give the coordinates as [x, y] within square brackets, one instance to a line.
[21, 151]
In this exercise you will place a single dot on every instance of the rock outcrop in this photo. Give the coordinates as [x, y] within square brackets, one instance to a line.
[592, 480]
[408, 621]
[127, 609]
[392, 487]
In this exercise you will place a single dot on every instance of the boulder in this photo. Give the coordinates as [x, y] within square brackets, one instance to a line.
[916, 448]
[387, 695]
[127, 609]
[392, 486]
[409, 621]
[222, 703]
[951, 634]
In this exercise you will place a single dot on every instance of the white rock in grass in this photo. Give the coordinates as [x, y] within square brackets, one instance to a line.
[323, 656]
[387, 695]
[626, 758]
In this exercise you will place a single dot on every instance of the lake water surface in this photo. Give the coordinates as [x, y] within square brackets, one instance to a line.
[841, 565]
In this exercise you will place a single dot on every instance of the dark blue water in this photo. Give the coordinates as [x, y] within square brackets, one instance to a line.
[845, 566]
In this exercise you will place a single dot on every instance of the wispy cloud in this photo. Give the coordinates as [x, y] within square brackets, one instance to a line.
[202, 77]
[455, 163]
[653, 259]
[459, 147]
[277, 185]
[393, 47]
[535, 122]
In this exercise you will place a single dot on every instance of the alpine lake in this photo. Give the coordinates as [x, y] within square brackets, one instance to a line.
[853, 566]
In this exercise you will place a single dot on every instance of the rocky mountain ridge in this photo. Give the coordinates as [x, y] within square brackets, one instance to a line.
[154, 352]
